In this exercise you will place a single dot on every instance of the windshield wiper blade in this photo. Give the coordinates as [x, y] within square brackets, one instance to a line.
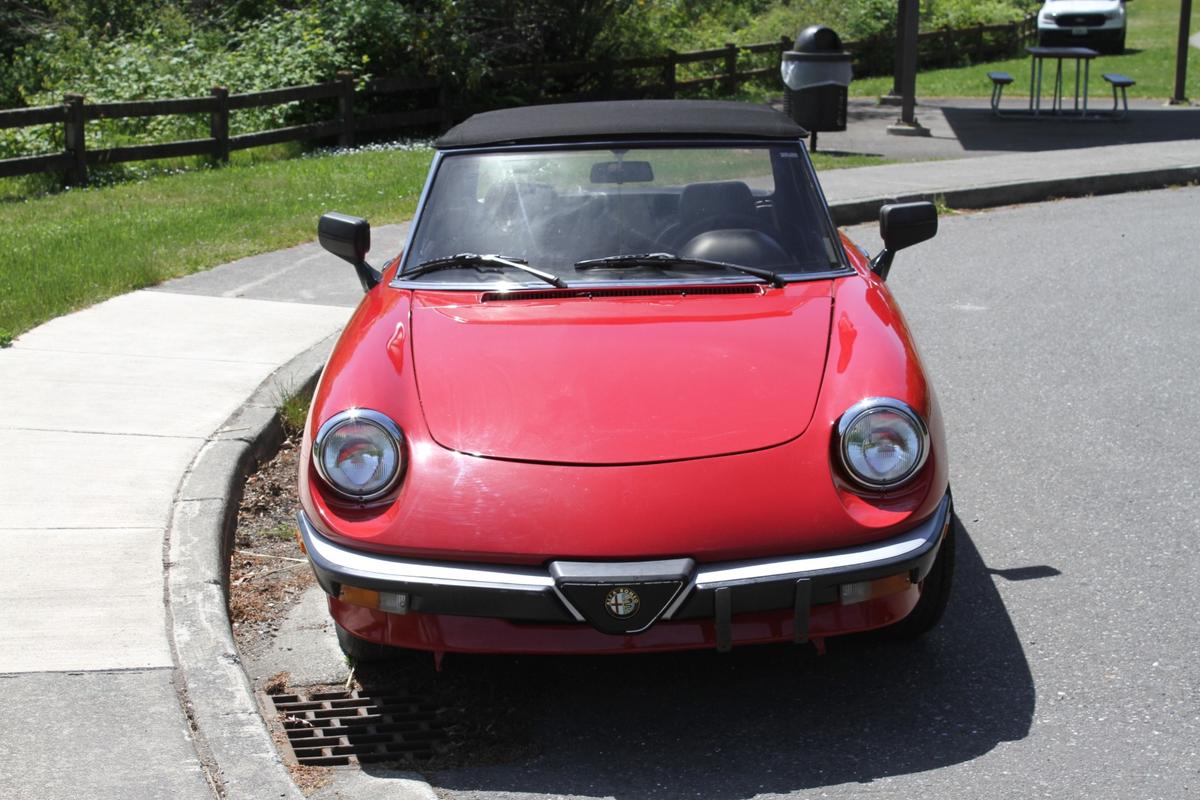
[477, 260]
[672, 260]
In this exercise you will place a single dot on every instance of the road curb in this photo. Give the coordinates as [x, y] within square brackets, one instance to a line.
[237, 752]
[853, 212]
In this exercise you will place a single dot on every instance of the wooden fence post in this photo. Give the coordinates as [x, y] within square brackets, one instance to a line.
[608, 74]
[445, 103]
[346, 107]
[668, 75]
[730, 83]
[75, 142]
[219, 125]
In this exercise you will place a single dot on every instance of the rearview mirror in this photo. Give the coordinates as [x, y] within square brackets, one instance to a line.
[902, 225]
[349, 238]
[622, 172]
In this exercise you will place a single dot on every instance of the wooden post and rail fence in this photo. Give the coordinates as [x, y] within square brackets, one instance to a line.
[657, 76]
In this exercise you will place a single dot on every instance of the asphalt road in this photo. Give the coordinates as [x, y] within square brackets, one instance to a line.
[1064, 342]
[1065, 346]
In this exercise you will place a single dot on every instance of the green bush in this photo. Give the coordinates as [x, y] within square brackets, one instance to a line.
[149, 49]
[175, 56]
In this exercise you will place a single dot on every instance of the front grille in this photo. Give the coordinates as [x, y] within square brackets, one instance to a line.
[1080, 20]
[649, 291]
[330, 729]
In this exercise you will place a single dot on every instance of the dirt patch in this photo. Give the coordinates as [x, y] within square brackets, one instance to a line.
[267, 571]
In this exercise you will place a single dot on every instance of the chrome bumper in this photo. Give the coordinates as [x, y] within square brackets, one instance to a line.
[683, 590]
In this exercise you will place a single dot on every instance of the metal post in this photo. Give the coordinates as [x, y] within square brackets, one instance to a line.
[907, 125]
[908, 69]
[73, 135]
[346, 108]
[894, 97]
[1181, 53]
[219, 125]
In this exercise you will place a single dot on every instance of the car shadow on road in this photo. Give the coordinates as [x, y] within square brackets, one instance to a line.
[757, 720]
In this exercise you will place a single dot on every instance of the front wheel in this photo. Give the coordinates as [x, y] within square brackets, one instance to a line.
[360, 651]
[934, 594]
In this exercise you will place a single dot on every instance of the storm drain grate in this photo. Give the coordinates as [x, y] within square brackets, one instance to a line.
[330, 729]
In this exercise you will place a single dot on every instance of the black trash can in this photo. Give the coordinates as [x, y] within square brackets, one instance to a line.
[816, 76]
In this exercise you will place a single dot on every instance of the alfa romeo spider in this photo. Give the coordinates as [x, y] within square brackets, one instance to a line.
[626, 388]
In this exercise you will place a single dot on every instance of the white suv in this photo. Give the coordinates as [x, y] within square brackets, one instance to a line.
[1098, 23]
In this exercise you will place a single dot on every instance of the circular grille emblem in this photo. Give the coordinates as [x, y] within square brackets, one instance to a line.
[622, 602]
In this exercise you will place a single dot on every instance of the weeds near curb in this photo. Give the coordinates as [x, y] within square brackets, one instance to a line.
[943, 209]
[293, 408]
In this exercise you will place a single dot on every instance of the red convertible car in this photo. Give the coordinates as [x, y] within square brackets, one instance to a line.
[627, 388]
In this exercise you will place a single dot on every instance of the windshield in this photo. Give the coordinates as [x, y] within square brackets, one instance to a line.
[752, 206]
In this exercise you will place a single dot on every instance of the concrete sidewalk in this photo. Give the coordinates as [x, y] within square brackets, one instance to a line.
[966, 128]
[855, 194]
[103, 411]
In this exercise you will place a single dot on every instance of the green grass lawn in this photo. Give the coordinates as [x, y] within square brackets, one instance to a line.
[1153, 26]
[826, 161]
[67, 250]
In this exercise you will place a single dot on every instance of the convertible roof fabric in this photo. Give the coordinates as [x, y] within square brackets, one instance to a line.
[626, 119]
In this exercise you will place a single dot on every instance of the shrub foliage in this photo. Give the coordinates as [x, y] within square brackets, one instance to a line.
[142, 49]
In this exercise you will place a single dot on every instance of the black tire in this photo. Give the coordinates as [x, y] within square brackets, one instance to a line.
[1119, 47]
[360, 651]
[934, 594]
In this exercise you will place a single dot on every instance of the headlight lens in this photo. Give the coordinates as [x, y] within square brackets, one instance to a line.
[882, 442]
[359, 453]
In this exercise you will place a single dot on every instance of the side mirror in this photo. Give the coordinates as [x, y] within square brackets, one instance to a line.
[349, 238]
[902, 225]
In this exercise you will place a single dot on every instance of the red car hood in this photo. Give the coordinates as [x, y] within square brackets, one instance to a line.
[620, 380]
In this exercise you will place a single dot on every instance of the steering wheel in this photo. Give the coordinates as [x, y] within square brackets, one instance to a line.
[678, 235]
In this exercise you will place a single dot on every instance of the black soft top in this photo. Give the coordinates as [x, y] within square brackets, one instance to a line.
[624, 119]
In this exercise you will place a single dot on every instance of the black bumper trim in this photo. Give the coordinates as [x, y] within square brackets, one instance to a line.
[531, 594]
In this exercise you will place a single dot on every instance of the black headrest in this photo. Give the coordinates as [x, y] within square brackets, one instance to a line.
[719, 198]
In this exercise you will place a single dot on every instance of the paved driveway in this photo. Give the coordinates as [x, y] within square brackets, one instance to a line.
[1065, 343]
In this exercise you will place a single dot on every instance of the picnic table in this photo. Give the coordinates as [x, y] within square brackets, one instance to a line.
[1058, 108]
[1059, 54]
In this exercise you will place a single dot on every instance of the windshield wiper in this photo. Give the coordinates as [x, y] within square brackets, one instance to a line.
[672, 260]
[478, 261]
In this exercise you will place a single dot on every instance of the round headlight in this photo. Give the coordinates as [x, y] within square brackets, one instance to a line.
[359, 453]
[882, 442]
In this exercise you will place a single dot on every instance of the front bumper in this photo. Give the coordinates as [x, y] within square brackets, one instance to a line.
[1064, 31]
[577, 593]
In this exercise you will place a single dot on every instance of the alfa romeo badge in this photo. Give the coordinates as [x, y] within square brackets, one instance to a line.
[622, 602]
